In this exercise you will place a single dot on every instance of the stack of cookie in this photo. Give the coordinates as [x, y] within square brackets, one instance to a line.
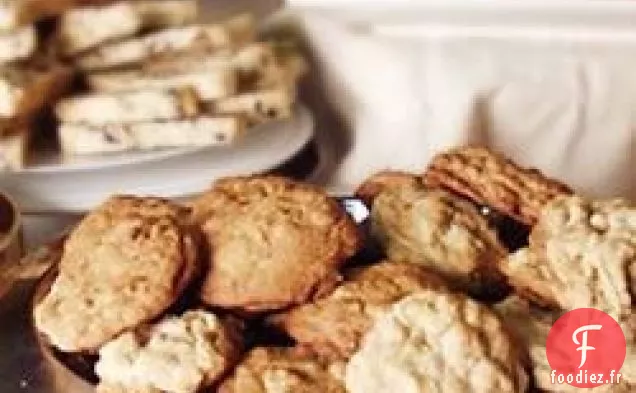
[258, 285]
[29, 79]
[156, 79]
[133, 259]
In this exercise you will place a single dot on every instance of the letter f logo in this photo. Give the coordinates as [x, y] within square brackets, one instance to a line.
[583, 344]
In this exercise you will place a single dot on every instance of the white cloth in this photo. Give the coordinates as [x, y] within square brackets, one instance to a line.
[566, 107]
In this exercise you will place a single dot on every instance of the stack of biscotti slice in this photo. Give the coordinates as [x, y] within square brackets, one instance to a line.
[180, 86]
[140, 120]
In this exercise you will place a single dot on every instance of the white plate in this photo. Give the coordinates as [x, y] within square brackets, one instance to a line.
[53, 186]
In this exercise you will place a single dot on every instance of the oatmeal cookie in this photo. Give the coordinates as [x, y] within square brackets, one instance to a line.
[491, 179]
[124, 264]
[338, 323]
[531, 325]
[439, 231]
[437, 342]
[273, 242]
[285, 370]
[582, 253]
[177, 355]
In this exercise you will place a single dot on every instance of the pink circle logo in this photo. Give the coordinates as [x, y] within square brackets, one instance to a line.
[586, 348]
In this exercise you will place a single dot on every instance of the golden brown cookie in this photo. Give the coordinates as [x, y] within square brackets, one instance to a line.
[582, 253]
[285, 370]
[491, 179]
[531, 326]
[433, 341]
[437, 230]
[337, 323]
[273, 242]
[384, 180]
[124, 264]
[177, 355]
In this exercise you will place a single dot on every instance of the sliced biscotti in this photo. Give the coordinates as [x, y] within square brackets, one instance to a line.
[164, 13]
[167, 42]
[163, 42]
[82, 138]
[258, 65]
[14, 150]
[83, 28]
[209, 84]
[127, 107]
[18, 44]
[123, 265]
[257, 107]
[26, 89]
[248, 59]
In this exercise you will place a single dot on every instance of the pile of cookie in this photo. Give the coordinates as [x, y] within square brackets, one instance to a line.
[150, 75]
[259, 285]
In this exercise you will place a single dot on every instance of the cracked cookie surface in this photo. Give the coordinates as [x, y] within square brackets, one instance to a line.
[436, 342]
[273, 242]
[124, 264]
[491, 179]
[439, 231]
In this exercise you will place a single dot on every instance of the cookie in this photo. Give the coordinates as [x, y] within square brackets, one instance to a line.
[273, 243]
[337, 323]
[491, 179]
[124, 264]
[433, 341]
[177, 355]
[582, 254]
[384, 180]
[531, 326]
[439, 231]
[285, 370]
